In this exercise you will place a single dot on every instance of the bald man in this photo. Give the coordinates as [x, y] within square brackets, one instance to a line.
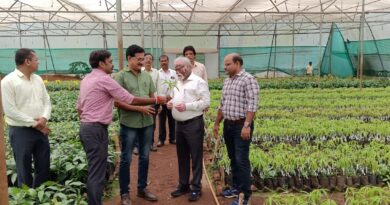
[239, 103]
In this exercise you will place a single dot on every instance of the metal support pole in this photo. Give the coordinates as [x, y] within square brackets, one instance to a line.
[158, 36]
[105, 46]
[44, 46]
[20, 32]
[270, 52]
[119, 32]
[151, 28]
[276, 38]
[3, 167]
[320, 52]
[142, 23]
[376, 45]
[361, 39]
[219, 49]
[293, 47]
[331, 48]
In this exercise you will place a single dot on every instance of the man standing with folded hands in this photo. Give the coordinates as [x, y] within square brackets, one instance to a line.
[191, 96]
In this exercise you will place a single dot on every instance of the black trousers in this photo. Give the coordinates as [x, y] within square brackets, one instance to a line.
[30, 144]
[94, 137]
[189, 148]
[165, 112]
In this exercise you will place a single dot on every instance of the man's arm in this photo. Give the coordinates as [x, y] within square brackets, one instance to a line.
[120, 94]
[148, 110]
[9, 105]
[252, 90]
[216, 123]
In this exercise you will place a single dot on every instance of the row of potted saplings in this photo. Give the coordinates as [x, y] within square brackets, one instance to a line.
[306, 167]
[332, 183]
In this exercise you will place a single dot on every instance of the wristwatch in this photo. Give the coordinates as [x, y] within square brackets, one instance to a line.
[247, 124]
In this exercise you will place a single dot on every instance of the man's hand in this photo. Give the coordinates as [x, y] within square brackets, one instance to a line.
[40, 123]
[161, 100]
[45, 130]
[170, 105]
[216, 130]
[181, 107]
[245, 133]
[147, 110]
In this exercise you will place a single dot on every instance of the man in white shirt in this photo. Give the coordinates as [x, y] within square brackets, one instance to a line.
[27, 109]
[166, 82]
[190, 98]
[309, 69]
[148, 62]
[197, 68]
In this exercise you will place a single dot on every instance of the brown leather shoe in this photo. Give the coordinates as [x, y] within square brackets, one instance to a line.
[125, 199]
[146, 194]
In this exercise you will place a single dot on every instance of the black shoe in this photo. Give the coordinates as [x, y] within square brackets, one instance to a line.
[160, 144]
[172, 141]
[178, 192]
[194, 196]
[146, 194]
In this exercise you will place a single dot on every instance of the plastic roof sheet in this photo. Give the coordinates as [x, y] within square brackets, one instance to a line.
[182, 17]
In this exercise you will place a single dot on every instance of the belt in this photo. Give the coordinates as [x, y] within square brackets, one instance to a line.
[190, 120]
[237, 122]
[94, 123]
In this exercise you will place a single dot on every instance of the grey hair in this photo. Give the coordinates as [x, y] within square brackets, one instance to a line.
[186, 62]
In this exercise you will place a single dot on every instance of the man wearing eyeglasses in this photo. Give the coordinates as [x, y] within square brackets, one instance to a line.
[136, 123]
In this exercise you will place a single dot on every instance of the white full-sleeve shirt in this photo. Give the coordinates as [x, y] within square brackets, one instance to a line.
[24, 100]
[194, 92]
[163, 78]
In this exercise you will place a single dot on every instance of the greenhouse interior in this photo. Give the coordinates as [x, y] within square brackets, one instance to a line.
[318, 137]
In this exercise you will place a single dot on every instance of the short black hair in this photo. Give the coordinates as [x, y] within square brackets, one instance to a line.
[132, 50]
[96, 56]
[149, 54]
[238, 58]
[22, 54]
[163, 56]
[189, 48]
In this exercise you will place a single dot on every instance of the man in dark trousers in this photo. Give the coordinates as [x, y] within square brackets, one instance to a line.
[191, 96]
[94, 106]
[27, 108]
[167, 80]
[239, 103]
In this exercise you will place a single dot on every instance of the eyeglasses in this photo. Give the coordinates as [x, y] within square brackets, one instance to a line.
[139, 59]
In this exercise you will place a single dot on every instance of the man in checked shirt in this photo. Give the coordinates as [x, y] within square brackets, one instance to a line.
[239, 103]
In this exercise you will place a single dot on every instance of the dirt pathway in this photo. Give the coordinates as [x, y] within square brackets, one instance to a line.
[163, 178]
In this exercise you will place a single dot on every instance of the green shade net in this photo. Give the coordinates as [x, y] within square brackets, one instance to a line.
[287, 59]
[336, 59]
[376, 56]
[58, 60]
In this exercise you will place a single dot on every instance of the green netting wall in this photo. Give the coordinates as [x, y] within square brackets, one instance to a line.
[376, 56]
[339, 58]
[61, 59]
[261, 59]
[336, 59]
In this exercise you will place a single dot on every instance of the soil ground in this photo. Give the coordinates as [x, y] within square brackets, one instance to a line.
[163, 179]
